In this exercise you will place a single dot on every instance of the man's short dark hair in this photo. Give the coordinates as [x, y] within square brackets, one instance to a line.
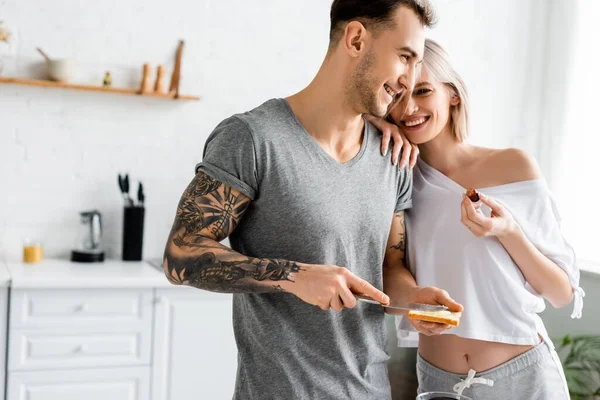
[374, 14]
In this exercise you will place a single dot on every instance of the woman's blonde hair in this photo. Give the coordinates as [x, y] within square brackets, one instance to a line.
[437, 62]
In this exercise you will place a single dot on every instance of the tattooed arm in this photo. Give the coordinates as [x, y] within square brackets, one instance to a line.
[401, 286]
[208, 212]
[398, 282]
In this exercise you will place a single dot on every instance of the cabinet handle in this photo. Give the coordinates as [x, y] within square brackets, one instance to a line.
[82, 348]
[80, 308]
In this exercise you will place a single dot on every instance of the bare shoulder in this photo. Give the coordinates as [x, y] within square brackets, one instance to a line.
[514, 165]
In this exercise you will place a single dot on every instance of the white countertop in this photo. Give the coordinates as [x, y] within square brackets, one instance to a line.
[66, 274]
[53, 273]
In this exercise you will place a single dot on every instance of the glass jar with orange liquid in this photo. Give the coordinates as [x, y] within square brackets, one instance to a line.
[33, 251]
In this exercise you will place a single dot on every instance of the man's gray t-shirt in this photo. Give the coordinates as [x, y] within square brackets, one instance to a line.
[309, 208]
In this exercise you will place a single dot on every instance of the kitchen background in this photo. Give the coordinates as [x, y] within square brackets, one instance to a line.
[61, 150]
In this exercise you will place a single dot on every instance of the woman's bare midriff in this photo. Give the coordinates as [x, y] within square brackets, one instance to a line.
[458, 355]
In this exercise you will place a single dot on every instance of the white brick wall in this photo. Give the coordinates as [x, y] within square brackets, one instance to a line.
[60, 151]
[498, 47]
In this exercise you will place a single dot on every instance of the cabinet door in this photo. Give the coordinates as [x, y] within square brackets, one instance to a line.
[62, 348]
[94, 384]
[195, 356]
[76, 308]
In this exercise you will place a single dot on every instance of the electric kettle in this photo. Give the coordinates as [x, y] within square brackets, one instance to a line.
[88, 246]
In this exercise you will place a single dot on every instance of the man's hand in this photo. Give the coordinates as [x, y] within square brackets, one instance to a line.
[330, 286]
[410, 152]
[435, 296]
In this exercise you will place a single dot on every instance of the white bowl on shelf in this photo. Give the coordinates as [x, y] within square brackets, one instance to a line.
[60, 70]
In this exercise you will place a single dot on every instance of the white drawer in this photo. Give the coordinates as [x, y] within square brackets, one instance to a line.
[95, 384]
[61, 348]
[42, 308]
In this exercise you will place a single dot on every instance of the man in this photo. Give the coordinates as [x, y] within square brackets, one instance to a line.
[313, 212]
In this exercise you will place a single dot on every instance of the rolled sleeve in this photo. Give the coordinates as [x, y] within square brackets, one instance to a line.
[405, 186]
[230, 157]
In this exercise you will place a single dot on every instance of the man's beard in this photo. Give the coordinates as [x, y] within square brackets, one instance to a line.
[363, 86]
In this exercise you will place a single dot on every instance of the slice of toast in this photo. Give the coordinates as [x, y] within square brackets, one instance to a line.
[441, 317]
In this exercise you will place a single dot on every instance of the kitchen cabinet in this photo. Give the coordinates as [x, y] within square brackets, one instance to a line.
[79, 343]
[114, 330]
[88, 384]
[195, 355]
[76, 328]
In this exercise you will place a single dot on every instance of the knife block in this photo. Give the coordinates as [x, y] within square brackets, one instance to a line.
[133, 233]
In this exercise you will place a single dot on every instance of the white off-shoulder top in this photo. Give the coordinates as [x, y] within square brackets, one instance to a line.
[500, 305]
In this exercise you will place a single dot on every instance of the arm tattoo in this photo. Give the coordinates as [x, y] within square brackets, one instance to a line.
[214, 273]
[209, 212]
[222, 211]
[207, 203]
[401, 245]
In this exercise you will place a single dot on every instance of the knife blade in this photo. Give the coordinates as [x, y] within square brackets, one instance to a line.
[397, 306]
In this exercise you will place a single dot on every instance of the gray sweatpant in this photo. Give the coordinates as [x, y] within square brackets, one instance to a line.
[534, 375]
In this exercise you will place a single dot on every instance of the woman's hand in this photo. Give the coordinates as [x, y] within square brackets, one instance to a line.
[410, 152]
[501, 223]
[435, 296]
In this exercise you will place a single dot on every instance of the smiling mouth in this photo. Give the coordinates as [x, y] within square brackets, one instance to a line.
[389, 90]
[415, 122]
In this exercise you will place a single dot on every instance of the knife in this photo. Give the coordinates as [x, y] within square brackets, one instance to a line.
[140, 194]
[124, 186]
[407, 307]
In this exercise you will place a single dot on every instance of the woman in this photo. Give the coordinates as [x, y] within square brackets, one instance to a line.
[500, 259]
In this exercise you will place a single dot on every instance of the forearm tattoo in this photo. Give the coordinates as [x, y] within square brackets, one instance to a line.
[207, 213]
[401, 245]
[211, 272]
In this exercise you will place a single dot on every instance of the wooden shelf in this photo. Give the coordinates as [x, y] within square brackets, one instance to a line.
[91, 88]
